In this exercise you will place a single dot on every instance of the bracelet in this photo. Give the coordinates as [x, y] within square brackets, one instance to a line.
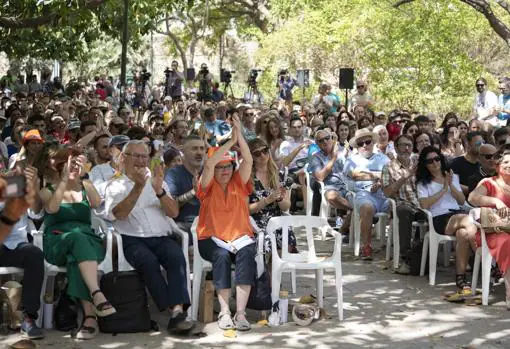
[7, 221]
[163, 193]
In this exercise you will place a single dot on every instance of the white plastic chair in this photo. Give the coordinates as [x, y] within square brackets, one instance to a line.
[431, 242]
[309, 192]
[200, 265]
[305, 260]
[355, 229]
[483, 257]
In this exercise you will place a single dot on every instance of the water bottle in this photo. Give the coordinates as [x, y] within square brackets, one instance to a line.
[284, 306]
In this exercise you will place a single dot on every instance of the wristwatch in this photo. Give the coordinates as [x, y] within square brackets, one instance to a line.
[163, 193]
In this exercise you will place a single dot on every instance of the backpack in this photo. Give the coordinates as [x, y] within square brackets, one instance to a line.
[260, 293]
[125, 290]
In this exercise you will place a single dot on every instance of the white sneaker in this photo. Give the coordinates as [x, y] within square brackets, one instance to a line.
[403, 269]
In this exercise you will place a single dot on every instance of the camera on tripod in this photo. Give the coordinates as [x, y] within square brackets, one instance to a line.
[145, 75]
[226, 76]
[252, 77]
[167, 71]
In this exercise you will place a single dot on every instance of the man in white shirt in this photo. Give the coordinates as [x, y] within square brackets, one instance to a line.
[296, 147]
[362, 97]
[485, 103]
[139, 205]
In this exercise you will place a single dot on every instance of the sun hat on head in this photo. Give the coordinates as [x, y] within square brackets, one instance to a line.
[230, 156]
[364, 132]
[118, 140]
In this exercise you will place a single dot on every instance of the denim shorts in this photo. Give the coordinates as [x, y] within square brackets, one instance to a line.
[377, 200]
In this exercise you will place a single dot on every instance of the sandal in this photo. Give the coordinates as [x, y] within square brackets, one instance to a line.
[225, 321]
[241, 325]
[461, 282]
[87, 332]
[103, 309]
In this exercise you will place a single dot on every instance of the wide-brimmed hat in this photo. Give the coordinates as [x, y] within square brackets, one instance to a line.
[364, 132]
[118, 140]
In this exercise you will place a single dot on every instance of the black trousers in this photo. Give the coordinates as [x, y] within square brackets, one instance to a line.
[31, 259]
[147, 256]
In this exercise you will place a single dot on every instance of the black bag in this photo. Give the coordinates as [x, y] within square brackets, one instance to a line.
[125, 290]
[66, 316]
[260, 293]
[414, 255]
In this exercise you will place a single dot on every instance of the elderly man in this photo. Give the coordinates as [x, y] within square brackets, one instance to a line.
[399, 183]
[326, 166]
[364, 169]
[487, 166]
[139, 205]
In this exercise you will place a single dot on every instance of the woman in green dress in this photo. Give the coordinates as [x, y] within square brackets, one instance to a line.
[69, 239]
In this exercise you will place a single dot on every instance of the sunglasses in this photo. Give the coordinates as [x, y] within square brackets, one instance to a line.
[323, 140]
[364, 143]
[432, 160]
[258, 153]
[480, 85]
[158, 124]
[360, 86]
[488, 156]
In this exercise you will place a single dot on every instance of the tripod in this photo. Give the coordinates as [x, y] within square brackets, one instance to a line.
[252, 91]
[226, 86]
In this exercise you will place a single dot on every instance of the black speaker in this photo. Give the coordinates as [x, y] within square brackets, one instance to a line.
[346, 78]
[190, 74]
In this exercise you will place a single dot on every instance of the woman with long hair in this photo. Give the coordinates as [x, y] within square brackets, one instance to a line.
[269, 197]
[410, 128]
[450, 119]
[451, 144]
[69, 239]
[274, 137]
[440, 193]
[494, 192]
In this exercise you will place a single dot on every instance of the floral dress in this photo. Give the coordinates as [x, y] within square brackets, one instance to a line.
[263, 216]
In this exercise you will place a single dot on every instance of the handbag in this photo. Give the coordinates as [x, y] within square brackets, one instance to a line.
[66, 315]
[260, 293]
[493, 222]
[125, 290]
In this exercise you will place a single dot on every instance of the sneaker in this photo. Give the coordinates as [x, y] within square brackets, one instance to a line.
[180, 324]
[403, 269]
[30, 330]
[366, 253]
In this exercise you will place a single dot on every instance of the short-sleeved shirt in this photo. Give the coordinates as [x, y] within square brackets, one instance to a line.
[335, 178]
[359, 163]
[180, 181]
[216, 128]
[288, 146]
[392, 173]
[464, 169]
[446, 203]
[224, 216]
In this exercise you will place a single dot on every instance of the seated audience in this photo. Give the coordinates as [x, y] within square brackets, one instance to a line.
[69, 239]
[138, 203]
[464, 166]
[487, 166]
[364, 169]
[439, 192]
[224, 215]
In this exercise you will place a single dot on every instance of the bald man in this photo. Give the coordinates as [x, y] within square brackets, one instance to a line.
[487, 166]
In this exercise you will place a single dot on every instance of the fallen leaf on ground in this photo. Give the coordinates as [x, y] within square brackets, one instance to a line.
[230, 334]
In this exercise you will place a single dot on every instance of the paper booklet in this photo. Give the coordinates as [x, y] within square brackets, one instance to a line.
[234, 246]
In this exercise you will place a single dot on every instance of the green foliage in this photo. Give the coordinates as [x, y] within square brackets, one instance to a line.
[424, 57]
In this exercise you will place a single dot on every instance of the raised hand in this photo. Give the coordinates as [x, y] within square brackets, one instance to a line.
[157, 179]
[140, 176]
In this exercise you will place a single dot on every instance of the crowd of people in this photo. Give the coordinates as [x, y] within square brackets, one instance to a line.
[224, 161]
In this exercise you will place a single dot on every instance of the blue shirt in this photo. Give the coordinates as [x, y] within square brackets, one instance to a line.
[504, 102]
[179, 182]
[359, 163]
[287, 86]
[320, 160]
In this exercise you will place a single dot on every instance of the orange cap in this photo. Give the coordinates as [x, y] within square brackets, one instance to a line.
[32, 135]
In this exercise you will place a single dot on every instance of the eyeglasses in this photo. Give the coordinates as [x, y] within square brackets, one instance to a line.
[323, 140]
[360, 86]
[364, 143]
[223, 167]
[138, 156]
[432, 160]
[480, 85]
[405, 145]
[258, 153]
[488, 156]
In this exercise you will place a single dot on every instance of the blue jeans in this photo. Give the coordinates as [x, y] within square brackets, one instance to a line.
[147, 256]
[222, 260]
